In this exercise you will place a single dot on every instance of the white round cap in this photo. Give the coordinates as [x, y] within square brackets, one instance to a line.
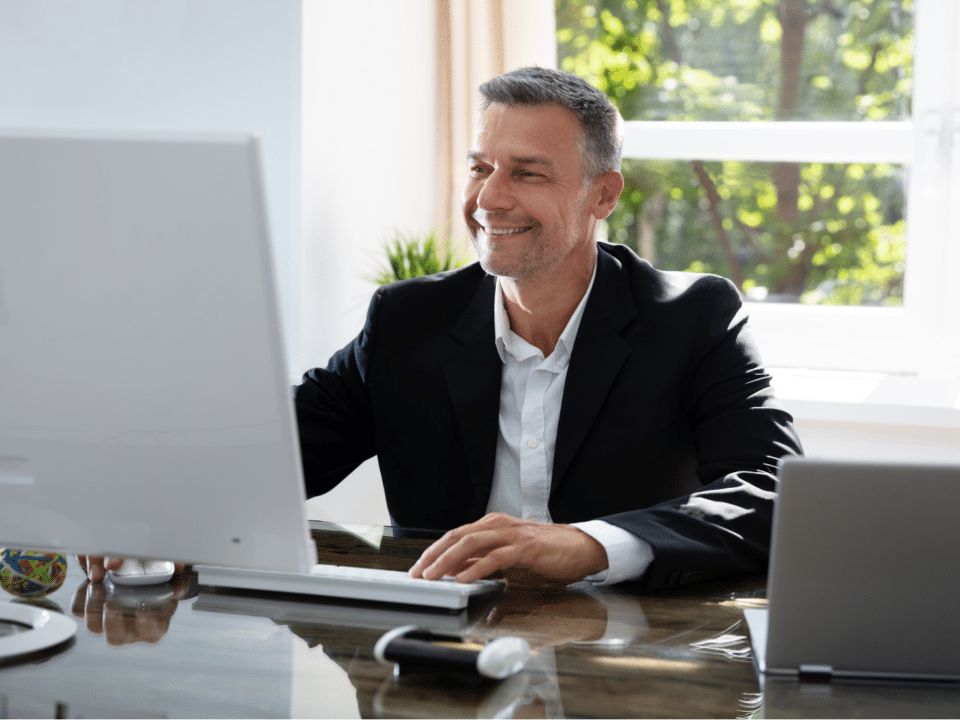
[502, 657]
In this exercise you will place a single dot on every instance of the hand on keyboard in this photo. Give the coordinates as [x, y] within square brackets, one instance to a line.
[351, 583]
[529, 552]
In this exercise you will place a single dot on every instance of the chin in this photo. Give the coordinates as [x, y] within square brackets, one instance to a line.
[496, 262]
[492, 267]
[491, 262]
[488, 258]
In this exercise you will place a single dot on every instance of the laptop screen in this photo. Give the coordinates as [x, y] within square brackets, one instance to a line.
[863, 573]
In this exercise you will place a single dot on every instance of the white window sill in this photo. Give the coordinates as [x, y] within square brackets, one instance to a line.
[868, 398]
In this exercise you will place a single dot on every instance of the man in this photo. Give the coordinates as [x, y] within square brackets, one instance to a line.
[562, 408]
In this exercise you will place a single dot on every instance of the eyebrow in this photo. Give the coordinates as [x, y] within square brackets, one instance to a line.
[516, 159]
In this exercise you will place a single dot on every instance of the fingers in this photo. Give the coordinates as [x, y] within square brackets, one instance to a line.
[531, 552]
[472, 557]
[79, 605]
[121, 624]
[123, 627]
[430, 555]
[96, 567]
[503, 557]
[452, 553]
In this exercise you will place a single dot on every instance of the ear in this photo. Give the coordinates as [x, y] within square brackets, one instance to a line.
[609, 185]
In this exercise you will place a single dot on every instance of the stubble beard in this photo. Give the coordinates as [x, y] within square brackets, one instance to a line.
[536, 254]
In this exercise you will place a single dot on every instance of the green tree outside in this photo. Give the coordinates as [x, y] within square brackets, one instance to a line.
[812, 232]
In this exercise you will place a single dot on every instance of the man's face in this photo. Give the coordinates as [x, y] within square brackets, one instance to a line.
[525, 201]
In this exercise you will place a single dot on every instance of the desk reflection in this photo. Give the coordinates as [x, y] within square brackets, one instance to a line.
[131, 614]
[789, 698]
[598, 652]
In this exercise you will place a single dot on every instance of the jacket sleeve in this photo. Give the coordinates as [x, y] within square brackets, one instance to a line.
[334, 412]
[740, 432]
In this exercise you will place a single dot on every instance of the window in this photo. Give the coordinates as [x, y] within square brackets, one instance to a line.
[802, 148]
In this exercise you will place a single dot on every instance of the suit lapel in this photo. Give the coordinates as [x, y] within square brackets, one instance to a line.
[598, 354]
[472, 373]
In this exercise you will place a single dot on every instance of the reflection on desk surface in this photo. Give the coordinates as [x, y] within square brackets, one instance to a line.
[130, 614]
[789, 698]
[605, 652]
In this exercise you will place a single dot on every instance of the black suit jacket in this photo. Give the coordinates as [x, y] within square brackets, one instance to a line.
[668, 426]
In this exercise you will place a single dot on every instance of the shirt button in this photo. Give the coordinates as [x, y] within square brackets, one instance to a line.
[532, 444]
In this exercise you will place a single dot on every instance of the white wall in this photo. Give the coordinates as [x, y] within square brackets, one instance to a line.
[879, 442]
[181, 65]
[223, 65]
[872, 416]
[369, 128]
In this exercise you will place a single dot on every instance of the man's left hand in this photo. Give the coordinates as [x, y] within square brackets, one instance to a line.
[527, 551]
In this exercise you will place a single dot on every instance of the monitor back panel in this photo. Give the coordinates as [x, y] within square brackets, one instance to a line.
[865, 574]
[144, 408]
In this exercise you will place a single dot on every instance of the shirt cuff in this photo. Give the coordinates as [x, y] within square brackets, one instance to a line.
[627, 555]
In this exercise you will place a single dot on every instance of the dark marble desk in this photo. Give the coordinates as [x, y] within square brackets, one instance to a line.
[201, 652]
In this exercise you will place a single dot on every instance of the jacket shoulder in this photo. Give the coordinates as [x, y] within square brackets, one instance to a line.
[433, 302]
[462, 281]
[650, 284]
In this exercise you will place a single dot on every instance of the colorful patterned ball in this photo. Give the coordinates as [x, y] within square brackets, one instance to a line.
[30, 574]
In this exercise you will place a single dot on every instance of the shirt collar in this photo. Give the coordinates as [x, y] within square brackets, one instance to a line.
[511, 344]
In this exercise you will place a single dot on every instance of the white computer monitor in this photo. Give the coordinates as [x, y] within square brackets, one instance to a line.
[144, 402]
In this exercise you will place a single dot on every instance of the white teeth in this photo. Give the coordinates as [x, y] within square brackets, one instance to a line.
[504, 231]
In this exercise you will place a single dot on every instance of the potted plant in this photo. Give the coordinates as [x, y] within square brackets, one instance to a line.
[411, 255]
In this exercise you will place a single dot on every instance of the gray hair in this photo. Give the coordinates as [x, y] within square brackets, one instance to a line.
[600, 121]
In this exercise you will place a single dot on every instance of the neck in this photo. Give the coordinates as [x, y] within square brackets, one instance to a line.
[540, 311]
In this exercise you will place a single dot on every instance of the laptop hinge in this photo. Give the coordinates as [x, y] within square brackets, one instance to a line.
[816, 673]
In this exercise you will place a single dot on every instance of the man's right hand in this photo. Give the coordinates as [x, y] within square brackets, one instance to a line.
[96, 567]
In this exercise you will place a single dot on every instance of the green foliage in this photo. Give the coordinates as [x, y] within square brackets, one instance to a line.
[811, 233]
[410, 256]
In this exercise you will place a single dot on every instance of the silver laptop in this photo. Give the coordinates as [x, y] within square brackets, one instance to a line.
[145, 408]
[864, 573]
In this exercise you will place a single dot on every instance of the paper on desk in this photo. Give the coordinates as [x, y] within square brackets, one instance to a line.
[370, 534]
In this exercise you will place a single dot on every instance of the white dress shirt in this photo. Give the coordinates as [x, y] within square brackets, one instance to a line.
[531, 391]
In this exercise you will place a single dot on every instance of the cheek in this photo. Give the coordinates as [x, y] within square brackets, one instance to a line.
[468, 196]
[547, 207]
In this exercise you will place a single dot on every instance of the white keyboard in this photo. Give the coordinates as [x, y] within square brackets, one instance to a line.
[388, 586]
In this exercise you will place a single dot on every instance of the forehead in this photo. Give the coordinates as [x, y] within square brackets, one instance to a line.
[547, 131]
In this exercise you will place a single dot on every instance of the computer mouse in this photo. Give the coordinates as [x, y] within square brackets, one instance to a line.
[142, 572]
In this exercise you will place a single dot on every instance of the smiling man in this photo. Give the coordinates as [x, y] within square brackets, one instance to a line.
[532, 212]
[562, 408]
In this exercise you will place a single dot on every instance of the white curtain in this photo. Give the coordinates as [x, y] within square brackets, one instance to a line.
[477, 40]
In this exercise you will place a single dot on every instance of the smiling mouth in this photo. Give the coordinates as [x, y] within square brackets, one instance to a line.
[506, 231]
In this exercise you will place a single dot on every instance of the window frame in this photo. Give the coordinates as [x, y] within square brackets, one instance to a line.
[923, 336]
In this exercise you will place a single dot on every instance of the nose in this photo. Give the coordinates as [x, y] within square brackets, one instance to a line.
[495, 192]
